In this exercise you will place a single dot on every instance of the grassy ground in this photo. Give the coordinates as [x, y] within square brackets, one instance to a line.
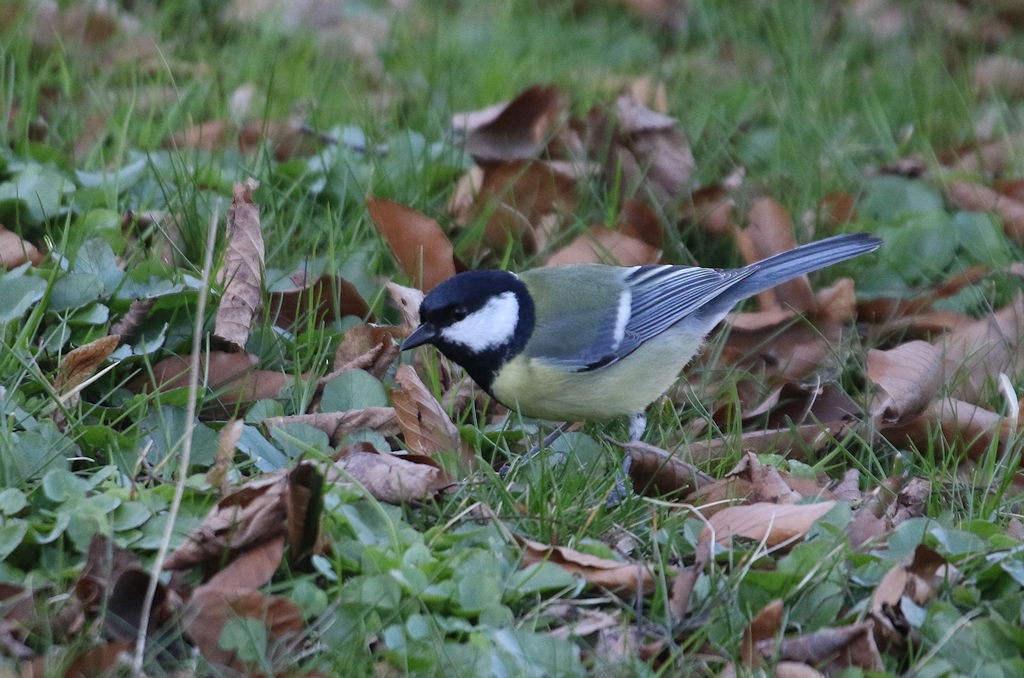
[809, 98]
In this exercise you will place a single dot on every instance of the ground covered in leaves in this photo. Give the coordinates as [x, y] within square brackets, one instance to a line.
[217, 221]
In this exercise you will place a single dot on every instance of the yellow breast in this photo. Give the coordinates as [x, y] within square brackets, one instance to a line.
[538, 389]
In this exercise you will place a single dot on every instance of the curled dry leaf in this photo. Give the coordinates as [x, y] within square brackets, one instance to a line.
[917, 580]
[649, 153]
[519, 129]
[620, 577]
[774, 524]
[337, 425]
[316, 302]
[963, 425]
[241, 273]
[417, 241]
[366, 347]
[661, 471]
[132, 320]
[407, 300]
[223, 460]
[14, 251]
[974, 355]
[255, 513]
[835, 648]
[580, 621]
[395, 479]
[81, 363]
[601, 245]
[907, 376]
[426, 428]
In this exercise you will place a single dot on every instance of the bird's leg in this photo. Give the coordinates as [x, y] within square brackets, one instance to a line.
[637, 426]
[535, 450]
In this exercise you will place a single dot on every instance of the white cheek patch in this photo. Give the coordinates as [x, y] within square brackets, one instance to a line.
[488, 327]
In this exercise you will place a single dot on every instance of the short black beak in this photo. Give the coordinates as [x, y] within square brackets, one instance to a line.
[424, 334]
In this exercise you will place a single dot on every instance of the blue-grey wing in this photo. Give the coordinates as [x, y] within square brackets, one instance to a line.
[664, 295]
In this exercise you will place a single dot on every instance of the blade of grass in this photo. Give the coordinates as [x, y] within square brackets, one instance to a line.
[186, 445]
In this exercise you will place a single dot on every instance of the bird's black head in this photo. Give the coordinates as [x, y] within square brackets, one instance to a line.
[479, 319]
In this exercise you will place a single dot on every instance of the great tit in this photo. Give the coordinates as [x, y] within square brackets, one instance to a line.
[589, 341]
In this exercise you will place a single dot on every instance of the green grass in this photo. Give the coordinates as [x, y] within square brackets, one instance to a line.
[802, 96]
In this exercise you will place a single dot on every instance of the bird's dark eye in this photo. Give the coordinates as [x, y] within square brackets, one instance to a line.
[459, 313]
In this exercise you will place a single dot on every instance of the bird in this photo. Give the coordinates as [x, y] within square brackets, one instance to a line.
[583, 342]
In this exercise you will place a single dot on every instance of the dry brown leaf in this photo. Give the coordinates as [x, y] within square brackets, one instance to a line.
[241, 273]
[303, 508]
[796, 670]
[223, 460]
[836, 209]
[964, 426]
[132, 320]
[371, 348]
[792, 441]
[407, 300]
[771, 232]
[81, 363]
[580, 621]
[711, 209]
[417, 241]
[763, 628]
[517, 130]
[919, 580]
[835, 648]
[638, 220]
[774, 524]
[621, 577]
[316, 302]
[976, 354]
[662, 472]
[255, 513]
[601, 245]
[974, 197]
[251, 569]
[14, 251]
[210, 609]
[337, 425]
[426, 428]
[395, 479]
[908, 377]
[682, 587]
[113, 582]
[533, 188]
[1000, 75]
[230, 377]
[649, 153]
[100, 660]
